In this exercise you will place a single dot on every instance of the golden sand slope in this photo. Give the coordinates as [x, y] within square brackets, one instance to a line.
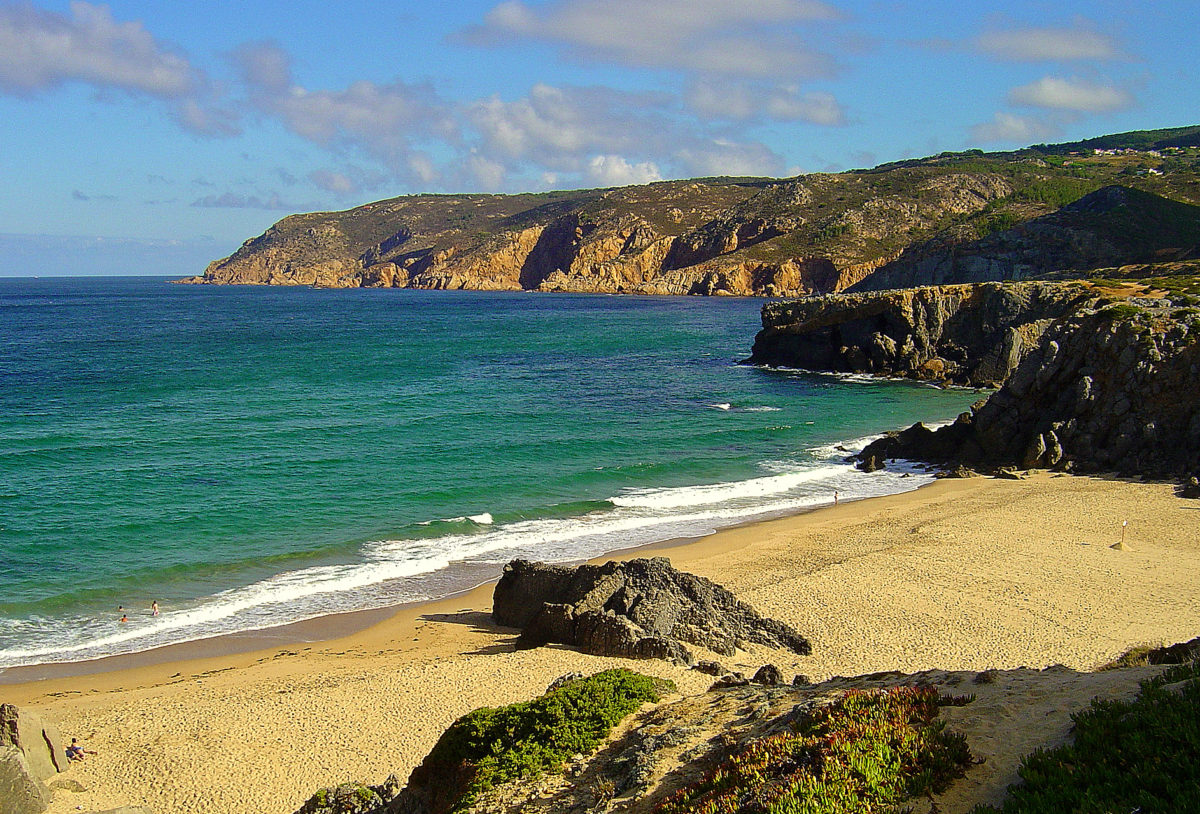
[961, 575]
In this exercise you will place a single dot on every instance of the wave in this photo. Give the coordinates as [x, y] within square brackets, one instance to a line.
[440, 556]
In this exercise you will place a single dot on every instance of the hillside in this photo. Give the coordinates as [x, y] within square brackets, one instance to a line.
[815, 233]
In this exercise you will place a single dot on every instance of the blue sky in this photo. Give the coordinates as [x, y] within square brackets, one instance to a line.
[149, 137]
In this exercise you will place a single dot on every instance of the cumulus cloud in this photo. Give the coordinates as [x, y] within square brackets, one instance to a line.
[601, 136]
[1076, 95]
[741, 101]
[1007, 127]
[726, 157]
[750, 38]
[615, 171]
[41, 49]
[381, 120]
[1049, 44]
[560, 126]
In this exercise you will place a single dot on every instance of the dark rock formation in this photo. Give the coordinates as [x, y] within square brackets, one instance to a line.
[642, 608]
[963, 334]
[768, 674]
[31, 753]
[1108, 389]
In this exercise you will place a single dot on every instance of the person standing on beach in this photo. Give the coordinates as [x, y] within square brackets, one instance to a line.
[154, 608]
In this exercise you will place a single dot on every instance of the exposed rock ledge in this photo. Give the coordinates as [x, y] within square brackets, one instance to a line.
[1108, 389]
[961, 334]
[642, 608]
[1089, 383]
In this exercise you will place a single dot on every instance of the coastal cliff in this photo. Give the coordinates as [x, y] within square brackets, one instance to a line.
[1091, 378]
[955, 217]
[963, 334]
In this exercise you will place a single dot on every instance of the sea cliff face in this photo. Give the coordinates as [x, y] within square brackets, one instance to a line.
[1107, 389]
[956, 217]
[963, 334]
[1090, 380]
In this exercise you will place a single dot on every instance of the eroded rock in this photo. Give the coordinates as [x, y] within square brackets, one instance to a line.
[643, 608]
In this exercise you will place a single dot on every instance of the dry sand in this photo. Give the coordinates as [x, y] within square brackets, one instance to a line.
[960, 575]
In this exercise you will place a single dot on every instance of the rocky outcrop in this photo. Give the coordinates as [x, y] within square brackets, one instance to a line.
[1103, 391]
[641, 608]
[31, 753]
[968, 335]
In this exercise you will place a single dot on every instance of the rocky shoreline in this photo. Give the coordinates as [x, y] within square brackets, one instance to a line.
[1090, 380]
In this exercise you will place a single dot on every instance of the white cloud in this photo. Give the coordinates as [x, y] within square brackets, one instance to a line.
[615, 171]
[41, 49]
[488, 174]
[603, 136]
[1080, 96]
[559, 127]
[724, 157]
[748, 38]
[1007, 127]
[740, 101]
[1049, 44]
[381, 120]
[788, 104]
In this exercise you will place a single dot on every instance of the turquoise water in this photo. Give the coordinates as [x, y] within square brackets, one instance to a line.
[253, 456]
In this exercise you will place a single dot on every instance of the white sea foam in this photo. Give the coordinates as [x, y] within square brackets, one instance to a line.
[762, 409]
[721, 405]
[392, 571]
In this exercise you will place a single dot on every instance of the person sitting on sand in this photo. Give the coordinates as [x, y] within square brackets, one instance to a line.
[76, 752]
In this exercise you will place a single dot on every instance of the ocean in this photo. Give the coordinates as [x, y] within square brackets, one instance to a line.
[249, 457]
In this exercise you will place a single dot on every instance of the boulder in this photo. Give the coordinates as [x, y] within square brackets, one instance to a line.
[38, 740]
[31, 752]
[642, 608]
[768, 674]
[20, 791]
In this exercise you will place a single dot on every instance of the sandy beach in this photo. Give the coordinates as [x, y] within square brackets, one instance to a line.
[960, 575]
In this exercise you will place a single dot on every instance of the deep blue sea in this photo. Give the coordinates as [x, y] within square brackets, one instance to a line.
[253, 456]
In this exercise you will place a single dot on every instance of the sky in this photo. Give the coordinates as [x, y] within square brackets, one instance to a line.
[143, 137]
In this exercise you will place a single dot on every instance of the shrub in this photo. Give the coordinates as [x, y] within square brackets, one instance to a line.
[491, 746]
[867, 751]
[1140, 755]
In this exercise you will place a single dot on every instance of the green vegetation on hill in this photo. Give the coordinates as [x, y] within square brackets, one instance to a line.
[1136, 756]
[494, 745]
[1133, 140]
[867, 751]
